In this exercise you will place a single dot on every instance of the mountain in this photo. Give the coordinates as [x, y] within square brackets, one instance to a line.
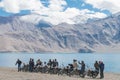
[17, 35]
[43, 23]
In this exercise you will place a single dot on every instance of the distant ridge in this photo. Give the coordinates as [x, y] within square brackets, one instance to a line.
[101, 35]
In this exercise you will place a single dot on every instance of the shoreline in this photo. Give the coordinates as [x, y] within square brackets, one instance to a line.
[12, 74]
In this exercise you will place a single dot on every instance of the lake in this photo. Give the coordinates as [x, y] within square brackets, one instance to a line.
[110, 60]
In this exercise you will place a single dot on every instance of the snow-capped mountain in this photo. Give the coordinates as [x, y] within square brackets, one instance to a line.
[17, 35]
[43, 23]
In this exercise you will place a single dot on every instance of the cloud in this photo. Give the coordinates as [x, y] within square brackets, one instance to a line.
[70, 16]
[98, 15]
[55, 12]
[9, 6]
[1, 4]
[54, 17]
[15, 6]
[57, 5]
[110, 5]
[86, 14]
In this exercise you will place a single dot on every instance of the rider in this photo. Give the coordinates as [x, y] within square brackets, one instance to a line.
[56, 63]
[49, 63]
[38, 63]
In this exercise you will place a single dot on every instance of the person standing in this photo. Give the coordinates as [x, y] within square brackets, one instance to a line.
[75, 65]
[96, 65]
[82, 68]
[101, 66]
[19, 62]
[31, 65]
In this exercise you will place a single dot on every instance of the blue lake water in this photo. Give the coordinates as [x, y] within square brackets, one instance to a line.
[111, 61]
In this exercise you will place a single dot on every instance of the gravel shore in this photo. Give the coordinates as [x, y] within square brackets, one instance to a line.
[12, 74]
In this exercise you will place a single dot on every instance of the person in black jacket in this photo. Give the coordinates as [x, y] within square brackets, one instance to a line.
[82, 68]
[31, 65]
[19, 62]
[50, 63]
[55, 63]
[101, 66]
[96, 65]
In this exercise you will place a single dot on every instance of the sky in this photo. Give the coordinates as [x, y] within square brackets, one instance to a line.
[58, 11]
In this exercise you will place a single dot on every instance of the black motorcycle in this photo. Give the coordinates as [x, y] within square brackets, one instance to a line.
[92, 73]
